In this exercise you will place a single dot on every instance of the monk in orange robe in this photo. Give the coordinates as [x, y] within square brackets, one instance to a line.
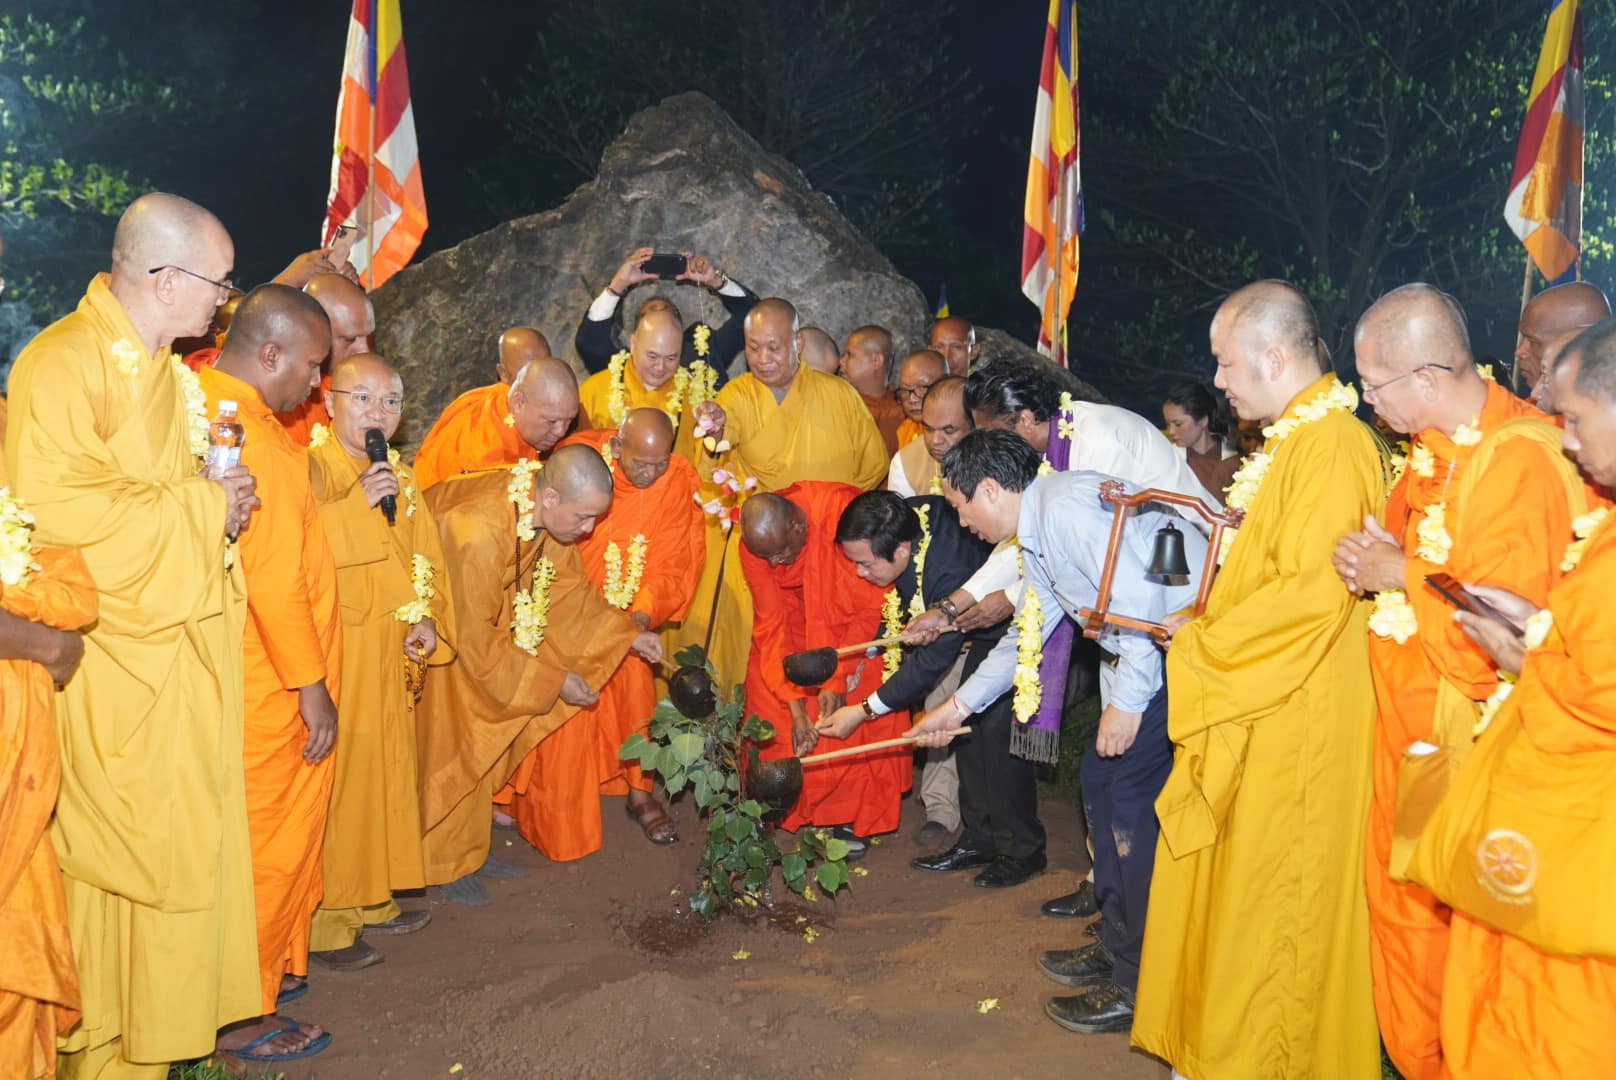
[919, 370]
[653, 534]
[353, 320]
[536, 641]
[40, 615]
[867, 365]
[293, 646]
[1487, 497]
[519, 345]
[1520, 847]
[499, 425]
[805, 595]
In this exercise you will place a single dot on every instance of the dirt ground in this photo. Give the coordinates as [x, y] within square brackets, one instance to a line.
[593, 969]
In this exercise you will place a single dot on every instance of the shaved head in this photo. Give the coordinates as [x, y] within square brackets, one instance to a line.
[1277, 314]
[517, 346]
[362, 366]
[574, 488]
[943, 416]
[643, 445]
[361, 387]
[277, 342]
[1413, 352]
[1265, 338]
[819, 350]
[171, 263]
[159, 230]
[867, 360]
[1551, 314]
[918, 373]
[772, 346]
[1416, 324]
[656, 346]
[954, 339]
[353, 320]
[773, 528]
[543, 401]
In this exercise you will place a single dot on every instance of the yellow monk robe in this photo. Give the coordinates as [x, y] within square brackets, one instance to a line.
[821, 431]
[373, 829]
[475, 432]
[595, 408]
[150, 826]
[1507, 511]
[301, 421]
[1256, 956]
[293, 639]
[908, 432]
[486, 711]
[1534, 993]
[39, 987]
[555, 792]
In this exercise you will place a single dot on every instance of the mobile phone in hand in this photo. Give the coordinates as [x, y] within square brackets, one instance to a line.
[1462, 598]
[665, 265]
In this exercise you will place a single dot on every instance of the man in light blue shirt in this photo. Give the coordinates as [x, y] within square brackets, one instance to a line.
[1063, 527]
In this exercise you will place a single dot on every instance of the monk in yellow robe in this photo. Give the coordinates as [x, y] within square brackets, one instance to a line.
[536, 641]
[1520, 847]
[783, 422]
[353, 321]
[1487, 497]
[644, 555]
[41, 612]
[104, 446]
[650, 376]
[499, 425]
[396, 620]
[1256, 953]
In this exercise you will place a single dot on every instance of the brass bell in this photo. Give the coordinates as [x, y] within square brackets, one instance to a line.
[1168, 559]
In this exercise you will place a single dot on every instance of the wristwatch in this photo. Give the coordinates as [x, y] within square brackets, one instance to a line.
[869, 713]
[946, 606]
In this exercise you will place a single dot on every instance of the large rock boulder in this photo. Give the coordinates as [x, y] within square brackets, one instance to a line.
[682, 176]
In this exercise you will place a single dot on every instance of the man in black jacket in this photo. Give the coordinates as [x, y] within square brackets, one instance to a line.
[919, 543]
[717, 345]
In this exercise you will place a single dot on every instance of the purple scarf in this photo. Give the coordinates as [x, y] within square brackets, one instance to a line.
[1039, 738]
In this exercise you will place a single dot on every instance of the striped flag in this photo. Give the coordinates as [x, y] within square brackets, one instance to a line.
[375, 170]
[1052, 218]
[942, 302]
[1544, 207]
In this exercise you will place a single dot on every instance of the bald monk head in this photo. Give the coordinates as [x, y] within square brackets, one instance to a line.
[171, 263]
[1584, 378]
[819, 350]
[773, 528]
[772, 344]
[867, 360]
[366, 392]
[1572, 306]
[277, 342]
[642, 446]
[1414, 360]
[656, 345]
[574, 489]
[919, 371]
[954, 339]
[1265, 339]
[543, 401]
[944, 416]
[353, 320]
[517, 346]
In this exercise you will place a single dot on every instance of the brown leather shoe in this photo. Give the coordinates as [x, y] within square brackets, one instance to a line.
[355, 957]
[405, 922]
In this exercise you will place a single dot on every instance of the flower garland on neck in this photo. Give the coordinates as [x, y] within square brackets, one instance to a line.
[16, 541]
[699, 380]
[196, 406]
[892, 620]
[1029, 690]
[531, 606]
[1583, 529]
[1243, 488]
[1393, 616]
[319, 435]
[619, 589]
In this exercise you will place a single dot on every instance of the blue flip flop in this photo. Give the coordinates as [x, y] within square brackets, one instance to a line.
[288, 1026]
[292, 993]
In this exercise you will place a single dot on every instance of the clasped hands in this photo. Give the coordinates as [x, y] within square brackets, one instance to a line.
[1370, 560]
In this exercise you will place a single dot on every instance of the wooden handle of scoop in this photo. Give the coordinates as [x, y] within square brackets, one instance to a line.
[884, 744]
[878, 643]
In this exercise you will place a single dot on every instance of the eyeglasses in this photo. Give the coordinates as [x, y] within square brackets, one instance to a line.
[910, 393]
[223, 286]
[1371, 391]
[390, 403]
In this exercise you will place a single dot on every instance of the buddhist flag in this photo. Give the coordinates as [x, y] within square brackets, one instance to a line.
[1052, 218]
[375, 170]
[942, 302]
[1544, 207]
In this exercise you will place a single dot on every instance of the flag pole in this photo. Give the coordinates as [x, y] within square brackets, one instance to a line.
[370, 158]
[1057, 347]
[1526, 296]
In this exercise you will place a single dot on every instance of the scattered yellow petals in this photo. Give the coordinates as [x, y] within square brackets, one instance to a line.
[859, 871]
[987, 1005]
[674, 891]
[456, 1068]
[810, 935]
[740, 954]
[801, 919]
[875, 841]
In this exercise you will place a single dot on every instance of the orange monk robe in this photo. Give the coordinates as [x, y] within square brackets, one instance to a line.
[555, 792]
[201, 358]
[299, 422]
[595, 408]
[888, 416]
[486, 711]
[293, 639]
[1509, 1007]
[373, 829]
[819, 431]
[39, 987]
[909, 431]
[815, 601]
[475, 432]
[1508, 522]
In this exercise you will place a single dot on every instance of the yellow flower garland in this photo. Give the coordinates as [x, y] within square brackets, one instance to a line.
[936, 486]
[406, 486]
[892, 621]
[891, 626]
[1422, 461]
[672, 405]
[421, 577]
[520, 492]
[1029, 689]
[620, 589]
[196, 406]
[699, 336]
[16, 541]
[1537, 628]
[126, 355]
[1494, 702]
[531, 609]
[1065, 427]
[917, 602]
[319, 435]
[1582, 528]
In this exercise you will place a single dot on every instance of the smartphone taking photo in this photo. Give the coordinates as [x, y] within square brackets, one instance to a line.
[664, 265]
[1462, 598]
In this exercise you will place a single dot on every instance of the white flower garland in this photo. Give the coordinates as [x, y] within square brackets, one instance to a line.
[531, 609]
[126, 355]
[620, 589]
[196, 407]
[1029, 689]
[520, 492]
[1582, 528]
[16, 541]
[698, 379]
[421, 577]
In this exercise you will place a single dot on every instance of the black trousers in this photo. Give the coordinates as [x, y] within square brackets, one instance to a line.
[1119, 797]
[998, 792]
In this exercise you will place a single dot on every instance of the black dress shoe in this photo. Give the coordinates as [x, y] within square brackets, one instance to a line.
[1088, 966]
[1102, 1008]
[1078, 905]
[958, 857]
[1006, 871]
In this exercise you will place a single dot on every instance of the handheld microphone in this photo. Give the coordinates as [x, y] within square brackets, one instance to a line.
[376, 450]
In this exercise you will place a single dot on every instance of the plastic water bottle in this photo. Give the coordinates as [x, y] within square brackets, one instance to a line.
[225, 436]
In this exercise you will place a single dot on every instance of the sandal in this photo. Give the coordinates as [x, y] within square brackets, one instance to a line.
[287, 1026]
[655, 823]
[293, 992]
